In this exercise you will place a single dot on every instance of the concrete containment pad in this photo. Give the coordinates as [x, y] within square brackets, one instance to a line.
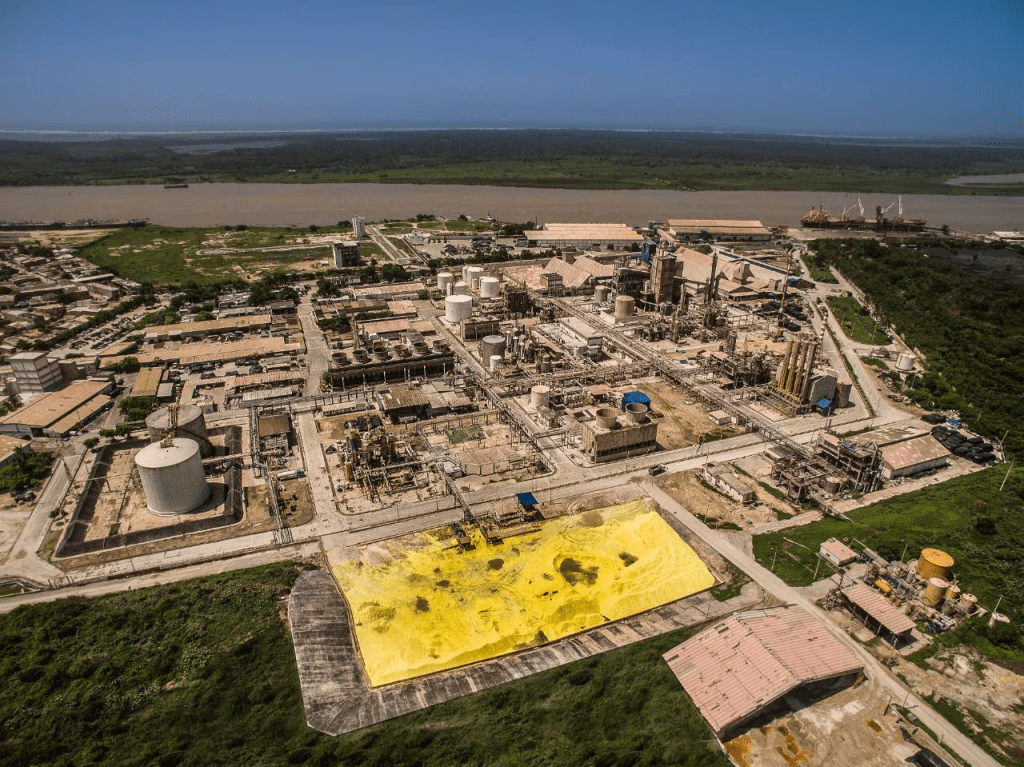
[338, 698]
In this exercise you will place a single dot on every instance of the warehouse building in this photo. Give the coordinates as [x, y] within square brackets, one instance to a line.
[704, 229]
[60, 412]
[583, 236]
[913, 456]
[745, 664]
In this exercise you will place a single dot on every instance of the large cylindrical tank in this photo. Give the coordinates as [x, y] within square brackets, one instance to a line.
[624, 306]
[172, 477]
[460, 289]
[489, 287]
[444, 279]
[968, 602]
[457, 308]
[934, 591]
[495, 362]
[843, 388]
[491, 346]
[606, 417]
[473, 275]
[636, 412]
[601, 293]
[934, 563]
[191, 425]
[465, 273]
[905, 362]
[540, 396]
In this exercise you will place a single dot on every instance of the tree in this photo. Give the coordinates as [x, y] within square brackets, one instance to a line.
[91, 442]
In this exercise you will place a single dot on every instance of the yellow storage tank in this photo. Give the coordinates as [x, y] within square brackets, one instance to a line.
[934, 591]
[882, 586]
[935, 564]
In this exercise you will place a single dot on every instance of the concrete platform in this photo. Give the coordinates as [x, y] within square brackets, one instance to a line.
[338, 697]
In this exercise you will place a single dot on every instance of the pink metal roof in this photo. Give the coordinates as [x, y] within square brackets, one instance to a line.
[750, 659]
[839, 550]
[879, 608]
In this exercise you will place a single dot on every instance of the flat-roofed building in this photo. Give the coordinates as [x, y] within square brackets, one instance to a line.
[583, 236]
[913, 456]
[246, 323]
[837, 553]
[345, 253]
[35, 373]
[744, 664]
[57, 413]
[148, 382]
[696, 229]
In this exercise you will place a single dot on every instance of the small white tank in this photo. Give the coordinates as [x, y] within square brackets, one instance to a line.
[540, 396]
[905, 362]
[473, 275]
[172, 477]
[457, 308]
[444, 279]
[495, 362]
[489, 287]
[191, 425]
[460, 289]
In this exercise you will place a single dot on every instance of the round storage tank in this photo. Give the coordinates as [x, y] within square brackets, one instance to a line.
[444, 279]
[458, 308]
[934, 591]
[624, 306]
[495, 362]
[968, 602]
[544, 366]
[905, 362]
[491, 346]
[833, 484]
[540, 396]
[473, 275]
[191, 425]
[934, 563]
[601, 293]
[489, 287]
[460, 289]
[172, 477]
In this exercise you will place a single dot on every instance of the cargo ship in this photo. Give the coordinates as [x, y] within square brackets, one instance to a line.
[819, 218]
[90, 223]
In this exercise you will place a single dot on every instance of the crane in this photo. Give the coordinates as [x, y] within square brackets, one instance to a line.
[847, 209]
[886, 210]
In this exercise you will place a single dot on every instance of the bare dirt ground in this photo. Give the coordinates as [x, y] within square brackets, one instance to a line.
[681, 424]
[719, 510]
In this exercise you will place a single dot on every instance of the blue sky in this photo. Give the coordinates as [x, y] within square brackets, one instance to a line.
[856, 68]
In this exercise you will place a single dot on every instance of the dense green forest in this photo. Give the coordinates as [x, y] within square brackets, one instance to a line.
[545, 158]
[203, 673]
[969, 329]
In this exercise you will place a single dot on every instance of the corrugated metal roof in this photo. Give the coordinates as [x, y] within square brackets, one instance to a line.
[903, 455]
[750, 659]
[879, 608]
[839, 550]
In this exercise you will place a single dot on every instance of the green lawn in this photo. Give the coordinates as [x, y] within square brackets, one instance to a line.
[855, 321]
[967, 517]
[203, 673]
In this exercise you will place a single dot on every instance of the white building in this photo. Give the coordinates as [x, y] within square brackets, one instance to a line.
[358, 227]
[35, 373]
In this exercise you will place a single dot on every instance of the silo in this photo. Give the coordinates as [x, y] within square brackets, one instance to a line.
[489, 287]
[458, 308]
[843, 388]
[601, 293]
[491, 346]
[172, 476]
[544, 366]
[465, 273]
[606, 417]
[473, 275]
[905, 363]
[934, 563]
[495, 362]
[540, 396]
[624, 306]
[444, 279]
[191, 425]
[934, 591]
[460, 289]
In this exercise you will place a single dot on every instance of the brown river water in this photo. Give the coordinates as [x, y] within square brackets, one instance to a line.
[304, 204]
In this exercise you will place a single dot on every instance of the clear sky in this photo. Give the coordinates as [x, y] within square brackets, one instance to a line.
[899, 67]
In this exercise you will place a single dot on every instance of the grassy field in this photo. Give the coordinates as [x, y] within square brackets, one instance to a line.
[203, 673]
[968, 517]
[855, 321]
[165, 255]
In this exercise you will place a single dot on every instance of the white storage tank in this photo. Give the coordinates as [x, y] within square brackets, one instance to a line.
[540, 396]
[444, 279]
[457, 308]
[489, 287]
[905, 362]
[191, 425]
[460, 289]
[495, 362]
[473, 275]
[624, 306]
[172, 477]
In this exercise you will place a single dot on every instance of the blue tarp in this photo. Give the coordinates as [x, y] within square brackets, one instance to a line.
[526, 499]
[635, 396]
[824, 404]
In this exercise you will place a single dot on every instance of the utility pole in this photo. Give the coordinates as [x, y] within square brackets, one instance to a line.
[775, 554]
[992, 620]
[1007, 475]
